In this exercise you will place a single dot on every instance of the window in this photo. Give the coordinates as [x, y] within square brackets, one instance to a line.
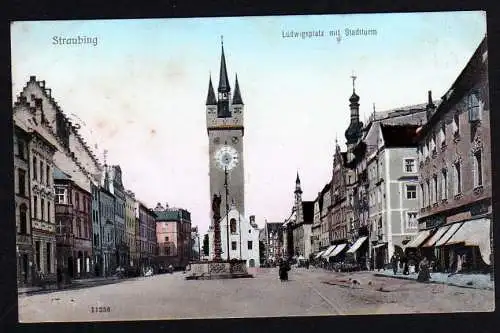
[410, 165]
[442, 133]
[411, 220]
[35, 206]
[458, 178]
[428, 193]
[77, 201]
[233, 225]
[473, 108]
[61, 197]
[23, 219]
[21, 182]
[249, 231]
[167, 250]
[21, 149]
[41, 171]
[233, 246]
[48, 211]
[37, 254]
[250, 245]
[47, 174]
[444, 184]
[34, 169]
[435, 188]
[433, 143]
[48, 257]
[411, 192]
[456, 125]
[78, 228]
[478, 169]
[42, 208]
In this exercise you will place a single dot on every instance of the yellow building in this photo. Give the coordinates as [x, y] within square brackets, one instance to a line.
[130, 227]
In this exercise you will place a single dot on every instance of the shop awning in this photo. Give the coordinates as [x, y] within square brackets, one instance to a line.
[357, 244]
[319, 255]
[474, 233]
[421, 236]
[337, 250]
[453, 228]
[379, 245]
[439, 233]
[328, 251]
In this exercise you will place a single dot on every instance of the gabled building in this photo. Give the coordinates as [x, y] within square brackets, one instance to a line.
[272, 239]
[130, 227]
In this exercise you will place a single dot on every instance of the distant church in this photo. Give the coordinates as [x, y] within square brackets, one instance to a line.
[225, 128]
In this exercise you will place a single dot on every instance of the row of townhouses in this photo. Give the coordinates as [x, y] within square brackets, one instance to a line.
[73, 214]
[413, 181]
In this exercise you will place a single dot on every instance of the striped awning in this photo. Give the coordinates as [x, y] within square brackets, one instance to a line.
[319, 255]
[357, 244]
[337, 250]
[453, 228]
[474, 233]
[439, 233]
[328, 251]
[421, 237]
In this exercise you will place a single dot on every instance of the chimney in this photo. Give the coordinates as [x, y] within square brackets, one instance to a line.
[33, 78]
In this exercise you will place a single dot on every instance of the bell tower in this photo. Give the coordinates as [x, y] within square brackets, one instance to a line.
[225, 129]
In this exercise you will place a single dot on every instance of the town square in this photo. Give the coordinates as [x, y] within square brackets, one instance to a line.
[162, 182]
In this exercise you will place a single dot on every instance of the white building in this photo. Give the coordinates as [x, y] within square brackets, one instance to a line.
[243, 238]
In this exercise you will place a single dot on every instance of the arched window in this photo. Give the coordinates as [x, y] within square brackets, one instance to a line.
[23, 219]
[232, 224]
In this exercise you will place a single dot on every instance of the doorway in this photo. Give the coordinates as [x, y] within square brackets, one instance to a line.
[252, 263]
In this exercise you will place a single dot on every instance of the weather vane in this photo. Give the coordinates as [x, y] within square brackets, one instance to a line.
[353, 77]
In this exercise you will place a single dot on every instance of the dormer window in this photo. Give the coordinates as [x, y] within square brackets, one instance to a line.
[473, 108]
[456, 125]
[442, 134]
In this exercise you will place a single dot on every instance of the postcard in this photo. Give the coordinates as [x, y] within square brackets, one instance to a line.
[243, 167]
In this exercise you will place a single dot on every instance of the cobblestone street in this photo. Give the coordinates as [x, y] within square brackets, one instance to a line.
[308, 292]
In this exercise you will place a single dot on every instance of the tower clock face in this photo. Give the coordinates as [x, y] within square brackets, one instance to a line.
[226, 158]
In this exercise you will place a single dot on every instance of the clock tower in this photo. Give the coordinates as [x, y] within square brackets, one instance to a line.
[224, 115]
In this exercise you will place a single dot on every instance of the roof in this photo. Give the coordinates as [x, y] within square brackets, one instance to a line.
[237, 95]
[59, 175]
[463, 82]
[211, 94]
[167, 215]
[399, 135]
[223, 79]
[308, 210]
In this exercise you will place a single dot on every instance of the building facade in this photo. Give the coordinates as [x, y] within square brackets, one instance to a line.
[173, 236]
[454, 156]
[118, 191]
[96, 231]
[273, 238]
[107, 218]
[24, 245]
[130, 227]
[243, 238]
[74, 227]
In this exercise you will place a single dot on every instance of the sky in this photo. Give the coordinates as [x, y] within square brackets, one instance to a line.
[140, 93]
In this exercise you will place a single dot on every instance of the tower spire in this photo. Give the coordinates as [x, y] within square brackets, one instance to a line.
[211, 94]
[223, 79]
[237, 95]
[353, 77]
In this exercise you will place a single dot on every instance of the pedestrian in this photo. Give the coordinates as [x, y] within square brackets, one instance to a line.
[423, 273]
[59, 277]
[394, 263]
[406, 269]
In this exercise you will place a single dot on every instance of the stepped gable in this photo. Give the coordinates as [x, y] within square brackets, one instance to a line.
[47, 93]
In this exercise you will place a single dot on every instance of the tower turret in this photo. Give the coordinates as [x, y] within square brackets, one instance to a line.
[353, 132]
[224, 90]
[237, 95]
[430, 107]
[211, 94]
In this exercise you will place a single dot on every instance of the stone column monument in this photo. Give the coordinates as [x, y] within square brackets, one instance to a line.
[216, 201]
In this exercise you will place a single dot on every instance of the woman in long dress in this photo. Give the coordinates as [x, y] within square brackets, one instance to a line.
[283, 270]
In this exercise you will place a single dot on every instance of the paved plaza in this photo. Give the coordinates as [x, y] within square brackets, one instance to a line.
[308, 293]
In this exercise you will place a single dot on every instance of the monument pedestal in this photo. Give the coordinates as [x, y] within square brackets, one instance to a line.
[216, 270]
